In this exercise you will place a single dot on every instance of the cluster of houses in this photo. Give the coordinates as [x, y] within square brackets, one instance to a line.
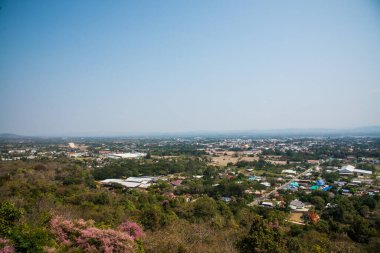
[307, 185]
[351, 181]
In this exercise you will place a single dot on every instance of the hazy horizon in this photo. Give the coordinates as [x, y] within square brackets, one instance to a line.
[360, 131]
[184, 66]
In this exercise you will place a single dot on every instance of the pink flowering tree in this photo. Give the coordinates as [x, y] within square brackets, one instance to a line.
[84, 235]
[131, 228]
[5, 246]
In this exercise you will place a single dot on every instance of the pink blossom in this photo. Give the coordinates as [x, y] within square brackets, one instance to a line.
[49, 249]
[5, 246]
[85, 235]
[132, 228]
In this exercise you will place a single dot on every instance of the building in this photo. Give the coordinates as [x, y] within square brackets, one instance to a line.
[296, 204]
[132, 182]
[267, 204]
[126, 155]
[289, 172]
[349, 170]
[320, 182]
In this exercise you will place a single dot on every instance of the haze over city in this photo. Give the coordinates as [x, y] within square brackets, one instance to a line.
[121, 67]
[202, 126]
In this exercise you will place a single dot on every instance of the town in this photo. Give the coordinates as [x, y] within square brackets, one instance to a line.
[302, 176]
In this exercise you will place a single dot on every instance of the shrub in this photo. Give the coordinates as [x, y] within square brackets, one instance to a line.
[5, 246]
[84, 235]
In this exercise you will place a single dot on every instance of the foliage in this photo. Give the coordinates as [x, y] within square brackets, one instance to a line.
[30, 239]
[262, 238]
[361, 230]
[204, 208]
[84, 235]
[5, 246]
[9, 214]
[191, 217]
[131, 228]
[126, 168]
[186, 237]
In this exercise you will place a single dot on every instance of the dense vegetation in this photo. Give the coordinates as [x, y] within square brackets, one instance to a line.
[39, 199]
[152, 167]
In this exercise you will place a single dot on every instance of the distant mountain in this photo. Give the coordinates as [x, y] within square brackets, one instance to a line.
[362, 131]
[370, 131]
[11, 136]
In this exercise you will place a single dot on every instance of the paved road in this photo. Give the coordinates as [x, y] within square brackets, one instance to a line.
[258, 200]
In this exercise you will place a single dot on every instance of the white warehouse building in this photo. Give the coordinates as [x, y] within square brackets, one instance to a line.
[351, 170]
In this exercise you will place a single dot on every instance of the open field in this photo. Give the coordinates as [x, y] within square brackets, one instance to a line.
[249, 158]
[164, 157]
[223, 160]
[296, 218]
[276, 162]
[230, 158]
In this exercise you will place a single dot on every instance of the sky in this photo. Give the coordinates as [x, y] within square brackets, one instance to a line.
[122, 67]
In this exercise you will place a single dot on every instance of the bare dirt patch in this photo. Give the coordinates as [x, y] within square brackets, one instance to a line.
[296, 217]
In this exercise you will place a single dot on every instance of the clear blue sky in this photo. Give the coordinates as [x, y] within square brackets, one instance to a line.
[119, 67]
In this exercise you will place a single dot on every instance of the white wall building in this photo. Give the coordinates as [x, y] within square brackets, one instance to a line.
[132, 182]
[351, 170]
[126, 155]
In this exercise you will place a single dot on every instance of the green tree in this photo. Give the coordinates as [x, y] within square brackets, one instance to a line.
[151, 218]
[204, 208]
[361, 231]
[318, 202]
[9, 215]
[262, 238]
